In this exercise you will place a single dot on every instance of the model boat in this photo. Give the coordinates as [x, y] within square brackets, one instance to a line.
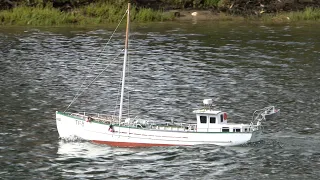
[210, 126]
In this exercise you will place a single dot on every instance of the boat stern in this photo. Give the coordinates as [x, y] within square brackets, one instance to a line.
[256, 136]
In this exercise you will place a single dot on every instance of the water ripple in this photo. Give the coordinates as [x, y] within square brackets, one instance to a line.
[173, 67]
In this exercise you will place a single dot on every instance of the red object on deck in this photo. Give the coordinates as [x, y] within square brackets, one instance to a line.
[225, 116]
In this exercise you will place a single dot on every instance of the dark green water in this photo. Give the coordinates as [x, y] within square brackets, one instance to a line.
[242, 67]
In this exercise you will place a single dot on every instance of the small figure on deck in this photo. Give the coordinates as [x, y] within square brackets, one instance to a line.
[89, 119]
[111, 128]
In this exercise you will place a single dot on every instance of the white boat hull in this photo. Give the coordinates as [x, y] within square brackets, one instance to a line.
[122, 136]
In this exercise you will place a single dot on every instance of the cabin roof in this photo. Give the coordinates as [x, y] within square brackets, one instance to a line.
[206, 111]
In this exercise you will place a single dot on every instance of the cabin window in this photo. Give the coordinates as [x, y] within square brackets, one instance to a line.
[225, 129]
[221, 117]
[203, 119]
[245, 129]
[212, 120]
[236, 130]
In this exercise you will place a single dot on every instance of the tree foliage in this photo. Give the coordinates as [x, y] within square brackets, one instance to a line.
[239, 7]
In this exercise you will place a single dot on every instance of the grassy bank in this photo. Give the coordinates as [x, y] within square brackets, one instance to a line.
[92, 14]
[309, 14]
[103, 13]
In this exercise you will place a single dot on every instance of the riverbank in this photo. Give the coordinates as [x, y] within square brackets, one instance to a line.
[309, 14]
[92, 14]
[104, 13]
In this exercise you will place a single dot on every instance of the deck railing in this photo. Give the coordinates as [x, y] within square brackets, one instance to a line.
[109, 119]
[103, 118]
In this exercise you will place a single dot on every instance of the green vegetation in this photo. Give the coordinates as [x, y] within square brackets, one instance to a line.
[182, 4]
[94, 12]
[151, 15]
[33, 16]
[210, 3]
[309, 14]
[110, 12]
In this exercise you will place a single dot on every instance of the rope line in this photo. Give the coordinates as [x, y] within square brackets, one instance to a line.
[128, 75]
[128, 86]
[76, 97]
[95, 63]
[118, 94]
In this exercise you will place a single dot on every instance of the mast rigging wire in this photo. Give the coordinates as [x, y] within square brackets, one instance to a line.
[79, 92]
[76, 97]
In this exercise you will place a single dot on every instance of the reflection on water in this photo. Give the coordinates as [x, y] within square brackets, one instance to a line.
[173, 67]
[117, 161]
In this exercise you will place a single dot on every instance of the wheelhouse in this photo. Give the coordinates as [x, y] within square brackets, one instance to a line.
[216, 121]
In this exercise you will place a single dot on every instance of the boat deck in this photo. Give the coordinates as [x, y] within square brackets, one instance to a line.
[144, 124]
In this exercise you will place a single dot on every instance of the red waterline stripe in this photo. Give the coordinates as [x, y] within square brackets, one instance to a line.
[130, 144]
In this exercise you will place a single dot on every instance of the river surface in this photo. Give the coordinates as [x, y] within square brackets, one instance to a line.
[173, 67]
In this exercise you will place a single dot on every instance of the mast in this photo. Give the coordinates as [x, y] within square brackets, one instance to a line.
[124, 62]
